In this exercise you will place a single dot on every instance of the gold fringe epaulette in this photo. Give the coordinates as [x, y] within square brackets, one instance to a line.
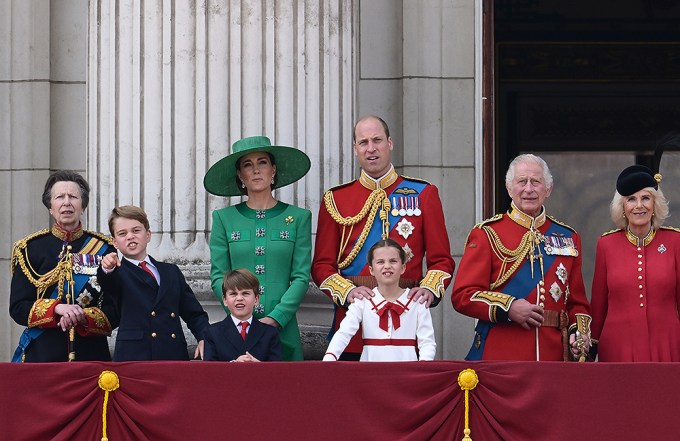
[677, 230]
[611, 232]
[561, 223]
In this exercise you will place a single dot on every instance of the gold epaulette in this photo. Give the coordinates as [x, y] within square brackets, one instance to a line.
[677, 230]
[481, 224]
[339, 186]
[19, 247]
[416, 179]
[612, 231]
[104, 237]
[561, 223]
[489, 220]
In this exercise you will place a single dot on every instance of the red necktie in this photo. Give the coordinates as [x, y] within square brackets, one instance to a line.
[386, 311]
[143, 265]
[244, 328]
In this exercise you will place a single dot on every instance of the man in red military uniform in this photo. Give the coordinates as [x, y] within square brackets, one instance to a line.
[520, 276]
[379, 204]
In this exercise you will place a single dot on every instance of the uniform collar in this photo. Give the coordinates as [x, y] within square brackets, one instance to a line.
[383, 182]
[640, 242]
[67, 236]
[523, 219]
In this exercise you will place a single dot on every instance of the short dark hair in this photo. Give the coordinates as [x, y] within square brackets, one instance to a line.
[240, 279]
[239, 184]
[364, 118]
[66, 176]
[128, 212]
[384, 243]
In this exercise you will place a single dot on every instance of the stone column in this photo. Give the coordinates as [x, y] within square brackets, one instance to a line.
[172, 84]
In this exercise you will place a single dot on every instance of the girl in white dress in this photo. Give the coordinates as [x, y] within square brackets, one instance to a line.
[394, 328]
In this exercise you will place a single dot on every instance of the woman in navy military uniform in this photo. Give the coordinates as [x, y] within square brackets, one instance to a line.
[54, 290]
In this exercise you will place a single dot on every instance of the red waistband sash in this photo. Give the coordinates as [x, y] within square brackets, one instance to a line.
[390, 342]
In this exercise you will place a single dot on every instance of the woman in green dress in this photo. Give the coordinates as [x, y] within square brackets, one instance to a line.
[266, 236]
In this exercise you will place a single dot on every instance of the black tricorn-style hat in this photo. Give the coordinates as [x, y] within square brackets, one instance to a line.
[634, 178]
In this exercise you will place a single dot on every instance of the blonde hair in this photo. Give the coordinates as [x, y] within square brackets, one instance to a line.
[660, 214]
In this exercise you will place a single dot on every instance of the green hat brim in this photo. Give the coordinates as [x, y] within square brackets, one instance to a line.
[291, 165]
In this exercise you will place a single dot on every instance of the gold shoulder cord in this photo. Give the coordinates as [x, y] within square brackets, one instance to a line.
[61, 273]
[376, 200]
[506, 255]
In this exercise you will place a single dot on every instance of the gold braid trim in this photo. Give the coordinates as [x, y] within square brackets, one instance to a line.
[516, 256]
[101, 322]
[376, 200]
[18, 253]
[582, 324]
[61, 273]
[39, 309]
[493, 298]
[338, 287]
[434, 281]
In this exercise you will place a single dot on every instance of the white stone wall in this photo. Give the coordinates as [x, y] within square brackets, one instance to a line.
[143, 97]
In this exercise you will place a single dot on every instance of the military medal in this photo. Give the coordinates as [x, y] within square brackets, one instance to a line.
[416, 211]
[395, 210]
[409, 205]
[661, 249]
[402, 210]
[562, 273]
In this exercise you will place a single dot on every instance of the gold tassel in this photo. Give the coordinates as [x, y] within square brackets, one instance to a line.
[108, 382]
[467, 380]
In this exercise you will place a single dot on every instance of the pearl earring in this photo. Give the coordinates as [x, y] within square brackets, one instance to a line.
[272, 179]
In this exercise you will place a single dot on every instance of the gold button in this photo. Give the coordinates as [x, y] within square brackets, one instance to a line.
[153, 334]
[642, 305]
[542, 290]
[541, 305]
[639, 256]
[640, 263]
[172, 314]
[642, 296]
[153, 313]
[172, 335]
[541, 283]
[542, 297]
[640, 286]
[639, 269]
[639, 277]
[639, 249]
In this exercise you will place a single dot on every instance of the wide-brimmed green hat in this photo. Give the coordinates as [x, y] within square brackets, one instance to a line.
[291, 165]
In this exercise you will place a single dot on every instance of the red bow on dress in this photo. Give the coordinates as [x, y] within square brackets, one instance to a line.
[386, 311]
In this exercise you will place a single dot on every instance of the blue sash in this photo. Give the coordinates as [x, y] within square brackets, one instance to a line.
[519, 286]
[375, 233]
[30, 334]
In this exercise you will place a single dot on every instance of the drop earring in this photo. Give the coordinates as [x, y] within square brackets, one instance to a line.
[243, 184]
[272, 179]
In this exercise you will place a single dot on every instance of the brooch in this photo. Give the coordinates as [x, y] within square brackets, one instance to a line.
[661, 249]
[555, 291]
[290, 220]
[259, 308]
[405, 228]
[562, 273]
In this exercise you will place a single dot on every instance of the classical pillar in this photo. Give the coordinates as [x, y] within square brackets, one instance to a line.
[172, 84]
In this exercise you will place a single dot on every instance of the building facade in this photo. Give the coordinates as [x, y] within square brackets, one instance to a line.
[143, 96]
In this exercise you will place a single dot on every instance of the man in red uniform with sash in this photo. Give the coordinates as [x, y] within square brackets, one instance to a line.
[520, 276]
[379, 204]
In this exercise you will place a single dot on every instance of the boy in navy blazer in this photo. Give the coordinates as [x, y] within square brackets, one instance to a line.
[240, 336]
[151, 296]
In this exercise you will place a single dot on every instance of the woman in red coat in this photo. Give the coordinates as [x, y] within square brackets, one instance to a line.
[636, 285]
